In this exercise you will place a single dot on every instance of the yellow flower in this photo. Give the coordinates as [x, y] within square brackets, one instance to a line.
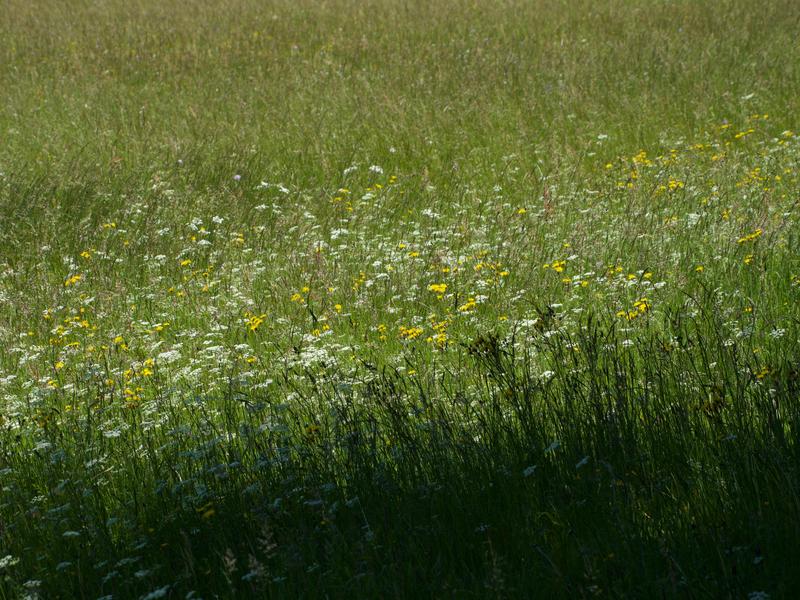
[410, 333]
[439, 288]
[750, 236]
[255, 321]
[675, 184]
[440, 339]
[642, 305]
[468, 305]
[558, 266]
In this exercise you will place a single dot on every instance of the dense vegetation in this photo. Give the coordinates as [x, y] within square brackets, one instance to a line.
[399, 299]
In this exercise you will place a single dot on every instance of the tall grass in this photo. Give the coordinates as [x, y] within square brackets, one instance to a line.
[452, 299]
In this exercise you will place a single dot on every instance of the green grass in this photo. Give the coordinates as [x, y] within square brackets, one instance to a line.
[376, 299]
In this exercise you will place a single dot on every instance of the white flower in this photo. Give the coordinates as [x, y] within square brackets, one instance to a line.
[168, 357]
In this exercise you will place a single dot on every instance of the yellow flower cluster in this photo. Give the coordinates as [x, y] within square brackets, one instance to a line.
[750, 236]
[410, 333]
[640, 307]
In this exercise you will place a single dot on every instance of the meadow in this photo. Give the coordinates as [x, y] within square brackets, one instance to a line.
[373, 299]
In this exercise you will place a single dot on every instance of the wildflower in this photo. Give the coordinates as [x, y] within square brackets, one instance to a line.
[675, 184]
[255, 321]
[410, 333]
[169, 357]
[468, 305]
[642, 305]
[558, 266]
[750, 236]
[438, 288]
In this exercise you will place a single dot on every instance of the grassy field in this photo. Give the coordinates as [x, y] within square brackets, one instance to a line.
[378, 299]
